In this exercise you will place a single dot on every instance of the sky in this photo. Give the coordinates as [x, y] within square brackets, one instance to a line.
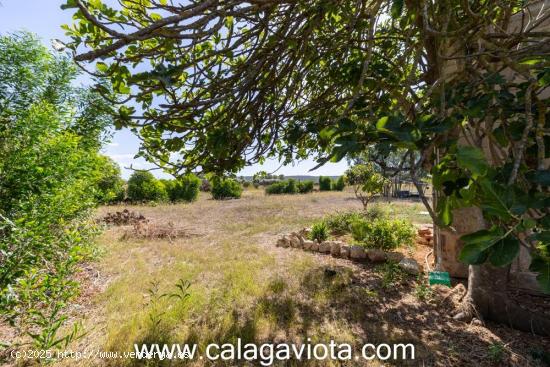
[44, 18]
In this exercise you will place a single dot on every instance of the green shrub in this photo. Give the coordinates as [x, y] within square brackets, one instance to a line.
[383, 233]
[340, 223]
[289, 187]
[276, 188]
[325, 183]
[246, 184]
[226, 188]
[339, 184]
[305, 186]
[143, 187]
[185, 188]
[319, 231]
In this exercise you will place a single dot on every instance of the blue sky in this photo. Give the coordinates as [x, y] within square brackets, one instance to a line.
[44, 18]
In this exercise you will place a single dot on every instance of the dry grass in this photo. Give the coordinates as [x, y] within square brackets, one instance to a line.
[243, 286]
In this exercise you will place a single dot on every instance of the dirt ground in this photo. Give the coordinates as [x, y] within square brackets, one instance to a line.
[242, 286]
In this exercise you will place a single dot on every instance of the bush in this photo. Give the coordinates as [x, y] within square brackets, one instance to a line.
[339, 184]
[340, 223]
[383, 233]
[305, 186]
[325, 183]
[185, 188]
[143, 186]
[319, 232]
[226, 188]
[246, 184]
[289, 187]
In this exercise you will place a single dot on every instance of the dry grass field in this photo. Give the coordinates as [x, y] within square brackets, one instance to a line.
[242, 286]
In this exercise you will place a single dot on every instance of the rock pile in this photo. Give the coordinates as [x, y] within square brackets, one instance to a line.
[124, 218]
[342, 250]
[425, 237]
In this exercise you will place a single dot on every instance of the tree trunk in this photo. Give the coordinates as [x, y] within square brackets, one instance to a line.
[487, 296]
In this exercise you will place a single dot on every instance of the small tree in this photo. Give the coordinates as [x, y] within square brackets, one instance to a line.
[366, 182]
[143, 186]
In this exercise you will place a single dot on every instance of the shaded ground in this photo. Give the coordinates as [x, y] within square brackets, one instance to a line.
[242, 286]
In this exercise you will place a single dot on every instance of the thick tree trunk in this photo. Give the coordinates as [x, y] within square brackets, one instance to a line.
[487, 296]
[487, 299]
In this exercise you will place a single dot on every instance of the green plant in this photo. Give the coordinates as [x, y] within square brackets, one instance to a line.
[226, 188]
[340, 223]
[384, 234]
[291, 187]
[392, 274]
[143, 187]
[185, 188]
[319, 232]
[110, 186]
[325, 183]
[339, 184]
[305, 187]
[366, 182]
[495, 352]
[422, 290]
[376, 212]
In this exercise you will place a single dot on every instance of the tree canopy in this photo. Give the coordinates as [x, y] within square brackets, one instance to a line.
[461, 86]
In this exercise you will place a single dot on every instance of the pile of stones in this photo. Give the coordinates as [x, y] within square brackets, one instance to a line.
[300, 240]
[425, 237]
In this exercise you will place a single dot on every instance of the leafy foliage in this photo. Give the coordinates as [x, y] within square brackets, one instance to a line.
[385, 234]
[366, 182]
[289, 187]
[50, 178]
[339, 184]
[143, 187]
[110, 186]
[185, 188]
[398, 76]
[226, 188]
[319, 231]
[325, 183]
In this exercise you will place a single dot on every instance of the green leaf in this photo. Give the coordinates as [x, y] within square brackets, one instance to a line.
[482, 236]
[504, 251]
[473, 254]
[542, 177]
[472, 159]
[444, 211]
[539, 265]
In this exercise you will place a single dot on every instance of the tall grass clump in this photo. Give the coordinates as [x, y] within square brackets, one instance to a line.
[319, 231]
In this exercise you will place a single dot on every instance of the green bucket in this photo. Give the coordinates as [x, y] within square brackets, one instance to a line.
[439, 277]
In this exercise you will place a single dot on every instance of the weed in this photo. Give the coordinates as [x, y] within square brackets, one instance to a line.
[392, 274]
[495, 352]
[422, 290]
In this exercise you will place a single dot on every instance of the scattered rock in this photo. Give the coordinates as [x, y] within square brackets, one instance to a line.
[376, 255]
[295, 241]
[344, 251]
[285, 242]
[305, 232]
[476, 322]
[324, 247]
[308, 244]
[357, 252]
[314, 246]
[335, 249]
[394, 256]
[410, 266]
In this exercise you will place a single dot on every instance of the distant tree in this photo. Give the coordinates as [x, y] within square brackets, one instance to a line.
[110, 186]
[366, 182]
